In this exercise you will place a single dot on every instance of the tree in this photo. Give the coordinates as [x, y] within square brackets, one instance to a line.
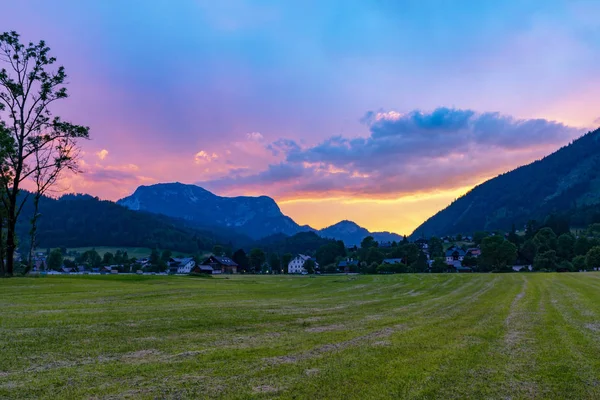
[374, 256]
[469, 261]
[368, 242]
[241, 259]
[479, 236]
[545, 260]
[411, 253]
[592, 258]
[310, 266]
[28, 87]
[579, 263]
[436, 247]
[545, 240]
[166, 256]
[528, 251]
[285, 261]
[497, 254]
[439, 265]
[55, 260]
[582, 246]
[419, 265]
[327, 253]
[513, 237]
[275, 263]
[257, 259]
[108, 258]
[565, 247]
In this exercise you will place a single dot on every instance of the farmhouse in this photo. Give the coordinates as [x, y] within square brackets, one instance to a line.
[181, 265]
[454, 254]
[219, 265]
[296, 266]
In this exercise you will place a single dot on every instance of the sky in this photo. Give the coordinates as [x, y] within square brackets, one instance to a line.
[382, 112]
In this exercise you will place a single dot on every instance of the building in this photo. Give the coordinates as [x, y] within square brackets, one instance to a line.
[220, 265]
[454, 254]
[347, 265]
[474, 252]
[296, 266]
[181, 265]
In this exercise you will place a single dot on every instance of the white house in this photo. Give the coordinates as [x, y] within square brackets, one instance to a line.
[181, 265]
[296, 266]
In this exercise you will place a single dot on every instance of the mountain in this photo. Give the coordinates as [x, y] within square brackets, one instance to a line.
[352, 234]
[566, 182]
[82, 221]
[256, 217]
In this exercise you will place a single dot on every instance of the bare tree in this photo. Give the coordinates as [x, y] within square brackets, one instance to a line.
[28, 87]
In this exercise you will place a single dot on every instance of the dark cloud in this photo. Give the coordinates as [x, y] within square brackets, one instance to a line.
[417, 151]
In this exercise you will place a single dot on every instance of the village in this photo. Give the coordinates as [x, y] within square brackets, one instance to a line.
[459, 256]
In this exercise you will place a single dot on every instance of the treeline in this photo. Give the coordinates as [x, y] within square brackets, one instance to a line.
[85, 221]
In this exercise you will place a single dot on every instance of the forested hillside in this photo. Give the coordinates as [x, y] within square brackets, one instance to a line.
[566, 182]
[82, 220]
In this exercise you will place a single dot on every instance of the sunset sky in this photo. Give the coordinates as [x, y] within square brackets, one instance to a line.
[380, 111]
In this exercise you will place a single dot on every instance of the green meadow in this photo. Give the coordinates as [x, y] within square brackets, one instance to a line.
[438, 336]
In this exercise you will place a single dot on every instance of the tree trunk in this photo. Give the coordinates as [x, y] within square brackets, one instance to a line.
[10, 243]
[33, 231]
[10, 234]
[2, 271]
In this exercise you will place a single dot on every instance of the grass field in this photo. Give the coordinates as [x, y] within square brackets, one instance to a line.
[445, 336]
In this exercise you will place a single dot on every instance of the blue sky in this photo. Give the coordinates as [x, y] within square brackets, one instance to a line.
[203, 91]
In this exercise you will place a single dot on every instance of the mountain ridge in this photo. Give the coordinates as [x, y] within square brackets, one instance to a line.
[257, 217]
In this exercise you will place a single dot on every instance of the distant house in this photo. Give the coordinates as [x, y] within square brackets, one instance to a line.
[345, 265]
[518, 268]
[392, 261]
[474, 252]
[296, 266]
[219, 265]
[181, 265]
[454, 254]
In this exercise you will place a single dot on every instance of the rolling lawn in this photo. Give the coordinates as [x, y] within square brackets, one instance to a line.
[438, 336]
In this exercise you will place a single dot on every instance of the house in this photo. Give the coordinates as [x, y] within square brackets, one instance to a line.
[203, 269]
[454, 254]
[346, 265]
[518, 268]
[181, 265]
[296, 266]
[474, 252]
[392, 261]
[219, 265]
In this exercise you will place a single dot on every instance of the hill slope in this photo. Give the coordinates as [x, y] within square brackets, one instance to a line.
[82, 220]
[566, 180]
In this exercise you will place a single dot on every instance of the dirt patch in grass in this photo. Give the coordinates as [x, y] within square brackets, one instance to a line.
[332, 347]
[265, 389]
[312, 371]
[594, 327]
[326, 328]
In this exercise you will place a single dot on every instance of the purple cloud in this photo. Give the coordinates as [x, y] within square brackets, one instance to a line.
[416, 151]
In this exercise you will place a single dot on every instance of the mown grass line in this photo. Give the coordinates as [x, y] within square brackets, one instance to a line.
[397, 336]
